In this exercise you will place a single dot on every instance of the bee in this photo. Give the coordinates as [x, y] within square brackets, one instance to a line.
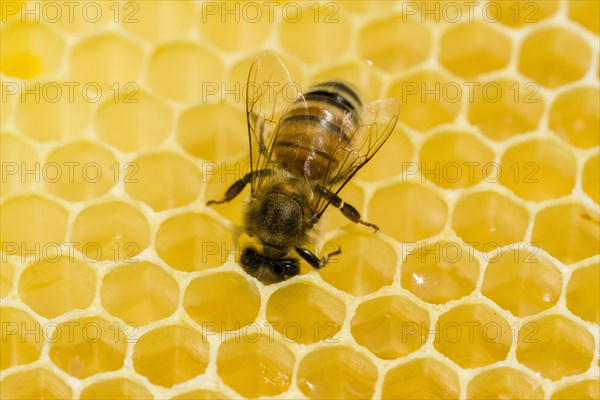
[304, 148]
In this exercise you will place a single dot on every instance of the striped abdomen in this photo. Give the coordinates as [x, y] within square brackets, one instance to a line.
[308, 138]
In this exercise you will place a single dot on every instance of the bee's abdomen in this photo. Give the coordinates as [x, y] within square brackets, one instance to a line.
[309, 137]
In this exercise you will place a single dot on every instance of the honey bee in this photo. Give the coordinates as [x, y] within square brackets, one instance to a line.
[304, 148]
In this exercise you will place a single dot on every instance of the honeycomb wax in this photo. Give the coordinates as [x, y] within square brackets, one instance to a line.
[121, 120]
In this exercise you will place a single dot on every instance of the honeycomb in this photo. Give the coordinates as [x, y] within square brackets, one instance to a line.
[121, 119]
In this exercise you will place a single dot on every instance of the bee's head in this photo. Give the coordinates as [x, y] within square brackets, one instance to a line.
[268, 270]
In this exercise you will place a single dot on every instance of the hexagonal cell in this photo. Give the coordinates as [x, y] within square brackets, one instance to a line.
[404, 198]
[539, 170]
[7, 272]
[586, 14]
[157, 21]
[555, 347]
[30, 50]
[88, 61]
[586, 389]
[79, 171]
[473, 335]
[590, 180]
[133, 122]
[421, 378]
[180, 70]
[154, 296]
[503, 108]
[395, 43]
[488, 220]
[521, 13]
[209, 302]
[172, 354]
[305, 313]
[21, 338]
[569, 232]
[52, 287]
[87, 346]
[574, 117]
[393, 159]
[200, 394]
[465, 49]
[215, 132]
[522, 282]
[583, 298]
[361, 74]
[115, 388]
[36, 383]
[54, 110]
[554, 56]
[390, 326]
[440, 271]
[455, 159]
[248, 27]
[337, 372]
[366, 264]
[504, 383]
[17, 158]
[193, 242]
[428, 99]
[162, 180]
[113, 230]
[318, 24]
[257, 366]
[31, 224]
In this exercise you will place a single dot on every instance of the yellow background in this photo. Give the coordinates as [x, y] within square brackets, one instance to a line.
[120, 119]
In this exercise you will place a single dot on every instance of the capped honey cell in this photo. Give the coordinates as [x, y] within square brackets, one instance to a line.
[86, 346]
[256, 365]
[473, 335]
[87, 62]
[115, 388]
[421, 378]
[440, 271]
[554, 56]
[30, 50]
[193, 241]
[39, 382]
[573, 344]
[337, 372]
[171, 354]
[208, 301]
[395, 43]
[54, 286]
[365, 265]
[154, 296]
[466, 50]
[305, 313]
[22, 335]
[390, 326]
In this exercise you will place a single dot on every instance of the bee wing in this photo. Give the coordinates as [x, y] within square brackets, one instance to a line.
[269, 92]
[376, 121]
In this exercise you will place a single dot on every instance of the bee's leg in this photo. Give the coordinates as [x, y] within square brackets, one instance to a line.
[239, 185]
[349, 211]
[315, 261]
